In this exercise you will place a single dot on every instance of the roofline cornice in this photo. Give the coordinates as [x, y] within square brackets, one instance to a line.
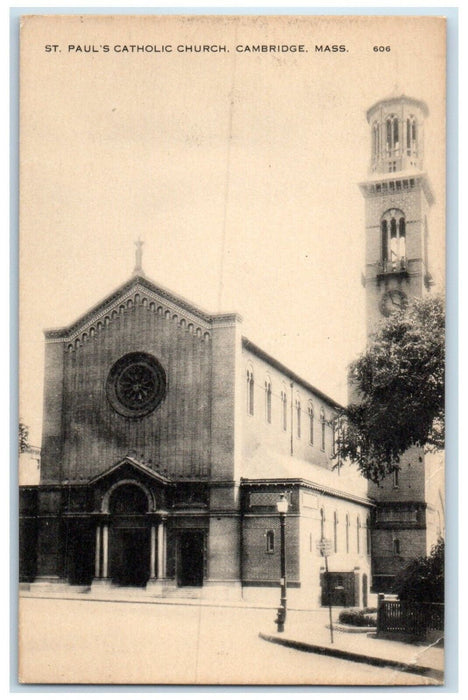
[326, 490]
[398, 99]
[248, 345]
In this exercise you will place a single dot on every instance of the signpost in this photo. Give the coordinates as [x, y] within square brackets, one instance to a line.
[324, 548]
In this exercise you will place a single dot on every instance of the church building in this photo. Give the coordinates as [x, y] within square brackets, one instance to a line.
[169, 437]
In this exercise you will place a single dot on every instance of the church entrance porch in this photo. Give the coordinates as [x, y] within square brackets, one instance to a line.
[190, 557]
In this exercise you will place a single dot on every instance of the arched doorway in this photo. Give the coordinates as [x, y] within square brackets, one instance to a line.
[129, 536]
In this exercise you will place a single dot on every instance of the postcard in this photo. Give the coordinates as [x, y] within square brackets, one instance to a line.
[232, 268]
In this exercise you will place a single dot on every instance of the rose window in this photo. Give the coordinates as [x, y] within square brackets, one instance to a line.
[136, 385]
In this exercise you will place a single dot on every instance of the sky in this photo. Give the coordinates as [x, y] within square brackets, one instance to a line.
[238, 170]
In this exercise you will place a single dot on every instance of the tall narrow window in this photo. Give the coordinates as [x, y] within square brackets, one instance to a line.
[402, 237]
[389, 134]
[298, 418]
[376, 140]
[396, 546]
[347, 533]
[310, 411]
[392, 133]
[411, 136]
[335, 532]
[250, 392]
[396, 138]
[393, 236]
[268, 401]
[322, 523]
[396, 478]
[270, 541]
[284, 410]
[358, 534]
[322, 428]
[384, 228]
[333, 446]
[368, 535]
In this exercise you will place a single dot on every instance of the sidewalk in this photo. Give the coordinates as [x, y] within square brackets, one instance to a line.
[120, 594]
[305, 630]
[310, 633]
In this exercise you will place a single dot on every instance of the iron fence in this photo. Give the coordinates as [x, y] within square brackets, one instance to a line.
[415, 619]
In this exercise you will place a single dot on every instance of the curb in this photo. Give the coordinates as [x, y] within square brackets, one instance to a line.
[353, 656]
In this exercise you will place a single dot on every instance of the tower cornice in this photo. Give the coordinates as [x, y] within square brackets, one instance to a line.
[396, 183]
[397, 99]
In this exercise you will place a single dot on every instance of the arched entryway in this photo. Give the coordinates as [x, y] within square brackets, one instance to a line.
[129, 541]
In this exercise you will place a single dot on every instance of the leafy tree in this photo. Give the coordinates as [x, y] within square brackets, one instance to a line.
[399, 386]
[422, 580]
[23, 437]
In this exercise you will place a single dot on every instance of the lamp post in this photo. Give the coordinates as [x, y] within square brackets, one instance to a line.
[282, 507]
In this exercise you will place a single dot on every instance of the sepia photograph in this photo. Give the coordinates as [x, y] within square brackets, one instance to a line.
[231, 349]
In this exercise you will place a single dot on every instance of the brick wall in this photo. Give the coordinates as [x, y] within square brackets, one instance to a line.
[84, 435]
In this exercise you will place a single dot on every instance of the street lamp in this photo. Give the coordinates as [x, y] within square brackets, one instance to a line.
[282, 507]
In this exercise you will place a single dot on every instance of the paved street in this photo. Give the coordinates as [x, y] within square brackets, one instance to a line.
[70, 641]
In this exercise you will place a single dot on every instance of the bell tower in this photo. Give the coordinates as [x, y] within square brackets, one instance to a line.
[397, 197]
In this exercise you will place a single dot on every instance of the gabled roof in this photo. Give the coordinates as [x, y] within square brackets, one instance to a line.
[141, 284]
[138, 467]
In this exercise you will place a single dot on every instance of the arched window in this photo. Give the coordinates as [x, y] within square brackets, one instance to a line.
[392, 132]
[270, 541]
[396, 546]
[347, 533]
[250, 392]
[376, 139]
[268, 400]
[384, 230]
[298, 417]
[284, 408]
[358, 534]
[333, 431]
[393, 235]
[322, 428]
[411, 145]
[335, 532]
[310, 411]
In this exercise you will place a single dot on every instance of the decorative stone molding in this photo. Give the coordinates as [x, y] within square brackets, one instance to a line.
[139, 293]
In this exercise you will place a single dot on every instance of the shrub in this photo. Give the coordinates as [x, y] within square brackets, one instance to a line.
[422, 581]
[358, 618]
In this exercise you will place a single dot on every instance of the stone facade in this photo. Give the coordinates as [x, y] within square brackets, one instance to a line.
[179, 489]
[168, 439]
